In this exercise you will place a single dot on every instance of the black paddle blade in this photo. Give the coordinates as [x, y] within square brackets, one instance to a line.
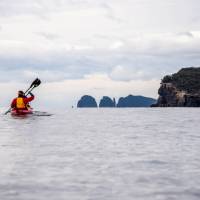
[35, 83]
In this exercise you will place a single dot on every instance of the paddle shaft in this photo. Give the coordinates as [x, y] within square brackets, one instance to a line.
[29, 90]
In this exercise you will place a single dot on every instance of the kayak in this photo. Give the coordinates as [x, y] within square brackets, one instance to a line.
[28, 112]
[21, 112]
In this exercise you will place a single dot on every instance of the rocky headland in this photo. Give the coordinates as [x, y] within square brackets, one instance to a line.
[181, 89]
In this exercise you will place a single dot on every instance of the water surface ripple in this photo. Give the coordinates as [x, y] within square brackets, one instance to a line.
[101, 154]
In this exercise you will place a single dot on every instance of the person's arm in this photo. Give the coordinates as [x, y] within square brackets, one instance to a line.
[28, 99]
[13, 104]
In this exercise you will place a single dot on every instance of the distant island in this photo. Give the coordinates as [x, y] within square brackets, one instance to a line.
[181, 89]
[107, 102]
[88, 101]
[135, 101]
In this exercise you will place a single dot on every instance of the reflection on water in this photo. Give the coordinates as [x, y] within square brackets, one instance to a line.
[101, 154]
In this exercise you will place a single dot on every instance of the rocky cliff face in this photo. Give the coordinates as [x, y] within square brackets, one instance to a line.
[181, 89]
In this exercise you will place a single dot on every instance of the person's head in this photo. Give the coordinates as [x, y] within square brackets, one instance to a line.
[20, 93]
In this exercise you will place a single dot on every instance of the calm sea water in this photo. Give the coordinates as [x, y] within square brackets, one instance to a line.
[101, 154]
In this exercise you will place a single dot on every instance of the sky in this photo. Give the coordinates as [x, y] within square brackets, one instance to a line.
[94, 47]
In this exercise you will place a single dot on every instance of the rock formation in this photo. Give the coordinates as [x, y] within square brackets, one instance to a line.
[135, 101]
[87, 101]
[181, 89]
[107, 102]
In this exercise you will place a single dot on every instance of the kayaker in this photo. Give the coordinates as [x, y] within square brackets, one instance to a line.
[22, 102]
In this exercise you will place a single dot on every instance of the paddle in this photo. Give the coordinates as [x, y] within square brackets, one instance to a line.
[33, 85]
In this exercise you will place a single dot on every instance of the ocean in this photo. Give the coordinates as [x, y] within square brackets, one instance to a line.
[101, 154]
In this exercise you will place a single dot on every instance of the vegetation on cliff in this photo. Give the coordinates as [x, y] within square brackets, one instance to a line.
[187, 79]
[181, 89]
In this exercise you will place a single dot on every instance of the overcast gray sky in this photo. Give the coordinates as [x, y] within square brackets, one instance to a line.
[97, 47]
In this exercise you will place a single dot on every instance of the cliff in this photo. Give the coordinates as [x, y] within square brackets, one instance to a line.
[181, 89]
[87, 101]
[135, 101]
[107, 102]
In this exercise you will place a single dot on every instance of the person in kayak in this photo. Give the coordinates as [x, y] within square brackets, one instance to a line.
[22, 102]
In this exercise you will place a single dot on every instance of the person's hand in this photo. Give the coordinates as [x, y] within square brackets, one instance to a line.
[31, 94]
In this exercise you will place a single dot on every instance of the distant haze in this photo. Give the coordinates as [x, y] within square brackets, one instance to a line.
[94, 47]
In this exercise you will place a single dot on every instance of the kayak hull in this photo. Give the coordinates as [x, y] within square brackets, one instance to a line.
[21, 112]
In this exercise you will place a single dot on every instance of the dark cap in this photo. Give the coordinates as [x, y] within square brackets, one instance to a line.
[20, 93]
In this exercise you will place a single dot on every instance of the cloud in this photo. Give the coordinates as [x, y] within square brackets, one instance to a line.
[121, 73]
[186, 34]
[138, 58]
[48, 36]
[110, 14]
[117, 45]
[45, 8]
[73, 40]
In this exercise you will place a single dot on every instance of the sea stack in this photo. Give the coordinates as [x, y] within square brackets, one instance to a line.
[87, 101]
[107, 102]
[181, 89]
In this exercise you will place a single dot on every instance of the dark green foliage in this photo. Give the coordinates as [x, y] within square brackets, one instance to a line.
[187, 79]
[167, 79]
